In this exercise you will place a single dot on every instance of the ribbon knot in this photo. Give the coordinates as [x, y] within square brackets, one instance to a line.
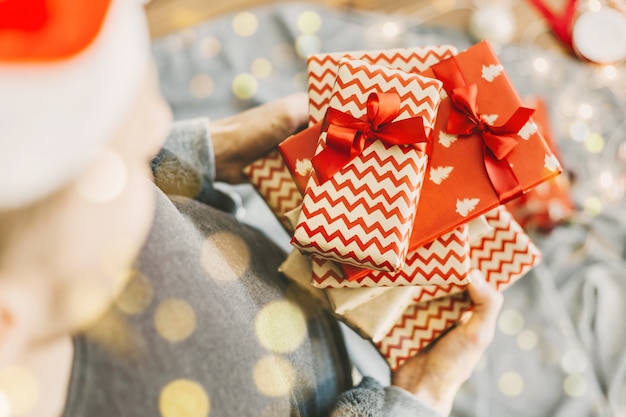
[347, 136]
[497, 141]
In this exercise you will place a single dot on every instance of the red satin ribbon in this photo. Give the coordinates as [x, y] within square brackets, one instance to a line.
[498, 141]
[347, 135]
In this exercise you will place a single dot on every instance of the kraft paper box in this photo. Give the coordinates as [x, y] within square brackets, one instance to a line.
[361, 212]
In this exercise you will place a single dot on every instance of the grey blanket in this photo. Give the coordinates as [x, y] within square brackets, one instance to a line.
[560, 345]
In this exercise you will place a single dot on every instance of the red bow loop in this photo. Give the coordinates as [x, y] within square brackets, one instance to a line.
[346, 135]
[465, 119]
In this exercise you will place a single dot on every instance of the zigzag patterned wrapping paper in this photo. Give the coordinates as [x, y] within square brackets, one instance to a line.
[363, 215]
[503, 255]
[322, 69]
[271, 178]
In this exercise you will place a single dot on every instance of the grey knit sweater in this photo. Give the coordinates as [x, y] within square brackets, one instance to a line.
[208, 327]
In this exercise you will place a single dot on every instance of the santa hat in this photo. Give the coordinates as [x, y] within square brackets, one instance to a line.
[69, 72]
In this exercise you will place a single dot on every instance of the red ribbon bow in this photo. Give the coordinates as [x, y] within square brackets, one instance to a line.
[347, 135]
[498, 141]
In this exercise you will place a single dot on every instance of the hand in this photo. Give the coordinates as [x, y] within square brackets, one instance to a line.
[241, 139]
[435, 374]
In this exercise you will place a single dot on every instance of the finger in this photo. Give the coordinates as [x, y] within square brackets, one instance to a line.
[487, 304]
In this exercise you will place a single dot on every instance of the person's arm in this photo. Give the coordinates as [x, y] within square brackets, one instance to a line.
[425, 386]
[199, 152]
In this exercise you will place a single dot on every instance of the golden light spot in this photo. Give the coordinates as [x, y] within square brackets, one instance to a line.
[309, 22]
[574, 361]
[575, 386]
[261, 68]
[527, 340]
[175, 320]
[245, 86]
[274, 376]
[184, 398]
[245, 24]
[307, 45]
[511, 384]
[594, 142]
[225, 256]
[281, 326]
[176, 179]
[300, 81]
[201, 86]
[210, 46]
[20, 389]
[105, 180]
[510, 322]
[593, 206]
[137, 295]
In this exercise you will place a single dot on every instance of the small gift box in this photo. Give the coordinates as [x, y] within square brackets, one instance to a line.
[503, 255]
[486, 148]
[322, 69]
[359, 205]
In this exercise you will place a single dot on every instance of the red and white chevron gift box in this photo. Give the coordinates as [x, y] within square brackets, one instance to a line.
[363, 214]
[442, 262]
[503, 255]
[271, 178]
[322, 69]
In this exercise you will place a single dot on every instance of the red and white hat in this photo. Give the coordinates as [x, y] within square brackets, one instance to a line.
[69, 72]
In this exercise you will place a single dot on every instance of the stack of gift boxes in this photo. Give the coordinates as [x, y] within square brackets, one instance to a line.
[397, 189]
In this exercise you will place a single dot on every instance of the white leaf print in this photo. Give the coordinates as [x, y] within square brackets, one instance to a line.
[491, 72]
[489, 118]
[446, 140]
[529, 129]
[551, 163]
[466, 206]
[438, 174]
[303, 167]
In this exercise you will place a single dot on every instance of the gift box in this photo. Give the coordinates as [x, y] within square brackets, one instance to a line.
[272, 180]
[359, 206]
[322, 69]
[550, 203]
[444, 261]
[486, 147]
[503, 255]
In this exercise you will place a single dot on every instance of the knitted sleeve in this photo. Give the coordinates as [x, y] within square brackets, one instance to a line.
[370, 399]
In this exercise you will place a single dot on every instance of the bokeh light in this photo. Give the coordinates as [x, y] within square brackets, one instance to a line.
[281, 326]
[174, 320]
[511, 384]
[594, 143]
[274, 376]
[575, 386]
[307, 45]
[210, 46]
[510, 322]
[184, 398]
[245, 86]
[245, 24]
[527, 339]
[201, 86]
[309, 22]
[261, 68]
[137, 295]
[225, 256]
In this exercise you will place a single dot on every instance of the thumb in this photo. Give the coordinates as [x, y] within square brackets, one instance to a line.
[487, 304]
